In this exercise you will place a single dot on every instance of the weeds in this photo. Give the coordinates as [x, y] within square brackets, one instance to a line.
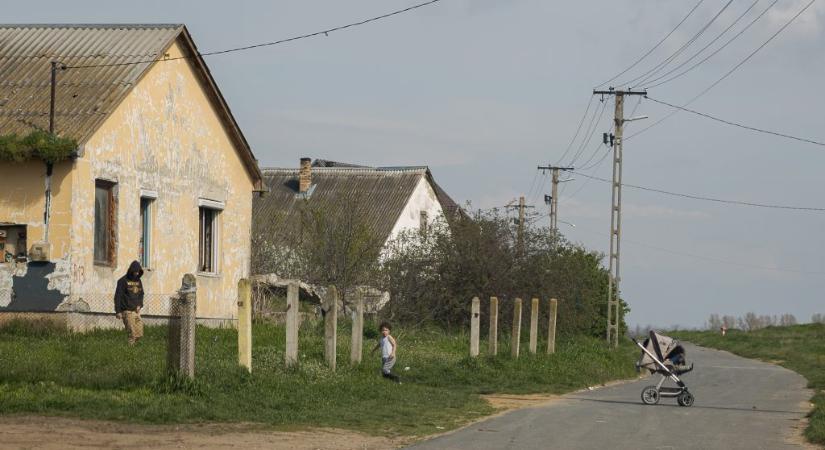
[96, 375]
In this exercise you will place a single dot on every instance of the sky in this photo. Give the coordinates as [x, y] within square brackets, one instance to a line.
[483, 91]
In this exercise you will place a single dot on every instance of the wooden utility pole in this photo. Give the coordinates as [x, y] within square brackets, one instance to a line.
[614, 309]
[554, 196]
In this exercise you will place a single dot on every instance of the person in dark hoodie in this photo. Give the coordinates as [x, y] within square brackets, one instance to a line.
[129, 301]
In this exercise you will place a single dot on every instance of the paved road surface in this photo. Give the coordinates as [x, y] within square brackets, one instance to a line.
[740, 404]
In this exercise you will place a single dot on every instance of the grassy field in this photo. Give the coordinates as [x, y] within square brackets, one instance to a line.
[96, 375]
[800, 348]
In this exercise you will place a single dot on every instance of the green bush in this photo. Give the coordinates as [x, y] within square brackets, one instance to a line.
[39, 144]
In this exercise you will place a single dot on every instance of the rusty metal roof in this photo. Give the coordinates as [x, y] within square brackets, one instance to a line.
[84, 96]
[117, 56]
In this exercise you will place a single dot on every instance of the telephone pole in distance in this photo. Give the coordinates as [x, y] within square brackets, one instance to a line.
[554, 195]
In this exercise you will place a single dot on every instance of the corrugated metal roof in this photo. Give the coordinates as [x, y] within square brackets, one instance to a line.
[117, 56]
[85, 96]
[379, 195]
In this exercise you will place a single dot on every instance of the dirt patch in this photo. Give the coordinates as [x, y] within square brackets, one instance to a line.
[508, 402]
[53, 433]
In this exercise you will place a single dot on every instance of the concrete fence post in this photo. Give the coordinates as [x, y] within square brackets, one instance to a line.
[293, 322]
[515, 340]
[357, 343]
[475, 313]
[534, 325]
[331, 327]
[551, 327]
[492, 338]
[245, 323]
[188, 306]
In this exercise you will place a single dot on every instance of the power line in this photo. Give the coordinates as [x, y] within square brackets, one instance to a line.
[708, 258]
[726, 75]
[759, 130]
[591, 130]
[718, 36]
[640, 79]
[578, 129]
[654, 47]
[267, 44]
[736, 36]
[708, 199]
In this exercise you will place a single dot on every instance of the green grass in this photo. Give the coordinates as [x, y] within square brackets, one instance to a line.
[96, 375]
[800, 348]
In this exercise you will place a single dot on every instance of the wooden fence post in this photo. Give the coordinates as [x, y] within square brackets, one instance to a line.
[475, 312]
[492, 338]
[245, 323]
[551, 327]
[357, 342]
[331, 327]
[293, 322]
[515, 340]
[534, 325]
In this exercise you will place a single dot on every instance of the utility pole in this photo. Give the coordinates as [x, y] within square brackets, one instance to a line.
[554, 196]
[520, 244]
[614, 309]
[519, 223]
[49, 166]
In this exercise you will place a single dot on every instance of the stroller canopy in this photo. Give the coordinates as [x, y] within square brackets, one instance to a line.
[663, 348]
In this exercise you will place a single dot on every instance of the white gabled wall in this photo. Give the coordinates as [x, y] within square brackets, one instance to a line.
[423, 198]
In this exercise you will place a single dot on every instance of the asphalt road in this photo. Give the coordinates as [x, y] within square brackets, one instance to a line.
[740, 404]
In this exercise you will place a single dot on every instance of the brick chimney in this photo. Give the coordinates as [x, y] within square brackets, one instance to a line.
[305, 175]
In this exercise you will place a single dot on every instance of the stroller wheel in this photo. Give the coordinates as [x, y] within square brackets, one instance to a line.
[650, 395]
[685, 399]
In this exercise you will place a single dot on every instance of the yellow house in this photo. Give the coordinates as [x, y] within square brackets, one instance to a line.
[162, 173]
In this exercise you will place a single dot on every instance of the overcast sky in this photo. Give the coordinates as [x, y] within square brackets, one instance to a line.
[483, 91]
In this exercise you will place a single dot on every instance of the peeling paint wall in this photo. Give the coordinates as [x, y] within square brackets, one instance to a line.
[423, 198]
[165, 137]
[22, 201]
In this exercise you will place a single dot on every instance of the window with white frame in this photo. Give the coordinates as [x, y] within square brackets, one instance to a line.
[145, 245]
[105, 225]
[208, 240]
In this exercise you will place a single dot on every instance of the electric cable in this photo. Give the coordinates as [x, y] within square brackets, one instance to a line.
[641, 78]
[759, 130]
[266, 44]
[654, 47]
[708, 199]
[718, 36]
[736, 36]
[726, 75]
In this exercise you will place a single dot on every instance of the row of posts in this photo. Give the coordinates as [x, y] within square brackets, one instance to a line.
[515, 340]
[182, 328]
[293, 321]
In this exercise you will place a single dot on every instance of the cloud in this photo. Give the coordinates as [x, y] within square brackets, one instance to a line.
[807, 25]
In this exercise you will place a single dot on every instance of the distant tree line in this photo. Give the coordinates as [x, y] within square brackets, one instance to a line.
[751, 321]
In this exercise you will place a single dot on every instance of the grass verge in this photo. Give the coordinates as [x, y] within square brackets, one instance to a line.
[97, 376]
[800, 348]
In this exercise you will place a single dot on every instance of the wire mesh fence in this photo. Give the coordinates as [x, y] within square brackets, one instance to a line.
[84, 344]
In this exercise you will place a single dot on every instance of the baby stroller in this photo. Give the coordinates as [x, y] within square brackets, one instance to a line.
[664, 355]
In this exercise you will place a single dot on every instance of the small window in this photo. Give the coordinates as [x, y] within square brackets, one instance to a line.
[145, 231]
[208, 238]
[105, 214]
[422, 227]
